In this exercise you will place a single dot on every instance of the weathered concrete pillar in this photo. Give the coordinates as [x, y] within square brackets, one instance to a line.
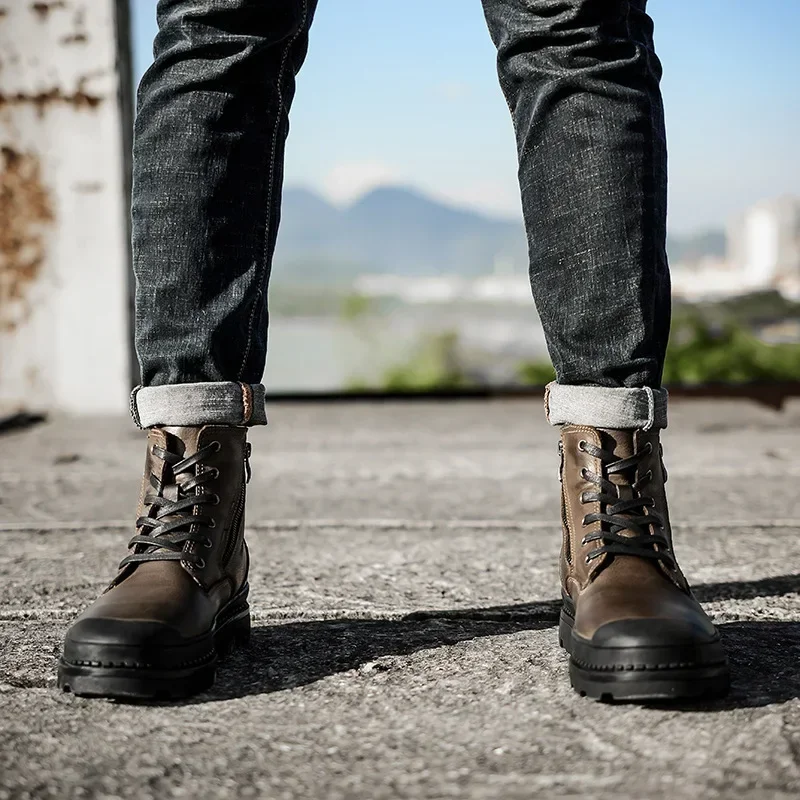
[64, 277]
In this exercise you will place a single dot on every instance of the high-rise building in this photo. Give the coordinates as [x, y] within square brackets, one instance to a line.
[764, 244]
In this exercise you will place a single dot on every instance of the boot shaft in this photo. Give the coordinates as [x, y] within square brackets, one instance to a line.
[222, 473]
[645, 478]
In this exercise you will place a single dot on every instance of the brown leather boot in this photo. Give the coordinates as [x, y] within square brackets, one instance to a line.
[629, 621]
[180, 597]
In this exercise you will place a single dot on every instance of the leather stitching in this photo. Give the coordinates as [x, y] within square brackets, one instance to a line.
[575, 542]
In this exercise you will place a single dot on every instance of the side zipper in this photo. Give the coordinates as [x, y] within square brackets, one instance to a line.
[566, 533]
[238, 512]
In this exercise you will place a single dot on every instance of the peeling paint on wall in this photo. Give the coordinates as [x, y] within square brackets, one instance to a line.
[79, 98]
[41, 77]
[63, 216]
[44, 8]
[25, 211]
[74, 38]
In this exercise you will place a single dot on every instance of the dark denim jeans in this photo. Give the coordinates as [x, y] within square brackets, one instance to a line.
[582, 81]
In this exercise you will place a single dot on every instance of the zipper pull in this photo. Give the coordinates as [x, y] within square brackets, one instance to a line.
[248, 449]
[561, 461]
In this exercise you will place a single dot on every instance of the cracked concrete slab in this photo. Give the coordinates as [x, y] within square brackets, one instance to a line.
[404, 591]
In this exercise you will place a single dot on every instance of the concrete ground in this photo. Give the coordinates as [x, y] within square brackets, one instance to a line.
[404, 590]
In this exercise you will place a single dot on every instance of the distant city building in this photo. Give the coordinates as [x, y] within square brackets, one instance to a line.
[412, 289]
[764, 244]
[763, 252]
[492, 288]
[707, 278]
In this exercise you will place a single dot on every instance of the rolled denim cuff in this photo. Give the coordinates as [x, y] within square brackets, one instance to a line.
[602, 407]
[190, 404]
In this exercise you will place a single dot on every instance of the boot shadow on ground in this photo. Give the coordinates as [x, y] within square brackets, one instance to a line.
[763, 655]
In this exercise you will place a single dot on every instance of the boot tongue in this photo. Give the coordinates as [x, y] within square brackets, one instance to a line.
[622, 444]
[182, 442]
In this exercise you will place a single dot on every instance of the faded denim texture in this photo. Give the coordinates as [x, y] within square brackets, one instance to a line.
[582, 81]
[208, 170]
[212, 403]
[604, 407]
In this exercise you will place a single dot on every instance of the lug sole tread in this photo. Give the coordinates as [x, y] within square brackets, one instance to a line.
[643, 682]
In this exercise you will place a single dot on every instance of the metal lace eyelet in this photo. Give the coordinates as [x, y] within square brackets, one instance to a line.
[583, 497]
[215, 500]
[207, 543]
[584, 522]
[217, 446]
[582, 445]
[214, 473]
[588, 560]
[200, 564]
[211, 524]
[584, 542]
[584, 473]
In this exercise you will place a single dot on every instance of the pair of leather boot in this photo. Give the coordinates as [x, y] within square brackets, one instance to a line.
[629, 621]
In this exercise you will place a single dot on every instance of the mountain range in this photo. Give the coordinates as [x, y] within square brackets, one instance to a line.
[401, 231]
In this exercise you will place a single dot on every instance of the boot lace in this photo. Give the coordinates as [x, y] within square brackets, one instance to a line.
[170, 522]
[645, 536]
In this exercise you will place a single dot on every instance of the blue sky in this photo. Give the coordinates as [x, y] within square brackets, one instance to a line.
[405, 91]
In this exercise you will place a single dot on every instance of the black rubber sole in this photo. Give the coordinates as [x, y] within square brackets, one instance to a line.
[152, 684]
[642, 675]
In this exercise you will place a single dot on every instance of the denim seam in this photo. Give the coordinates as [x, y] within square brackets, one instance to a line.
[271, 191]
[247, 403]
[134, 408]
[648, 199]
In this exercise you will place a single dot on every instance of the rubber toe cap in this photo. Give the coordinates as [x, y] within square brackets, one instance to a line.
[97, 640]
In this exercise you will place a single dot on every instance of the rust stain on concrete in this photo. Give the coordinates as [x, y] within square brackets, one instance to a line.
[74, 38]
[79, 98]
[25, 211]
[42, 9]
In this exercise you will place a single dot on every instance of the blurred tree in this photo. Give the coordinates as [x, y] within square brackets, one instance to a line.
[707, 348]
[435, 364]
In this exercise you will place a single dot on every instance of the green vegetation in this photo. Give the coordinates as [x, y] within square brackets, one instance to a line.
[711, 345]
[435, 364]
[536, 373]
[700, 352]
[746, 309]
[355, 307]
